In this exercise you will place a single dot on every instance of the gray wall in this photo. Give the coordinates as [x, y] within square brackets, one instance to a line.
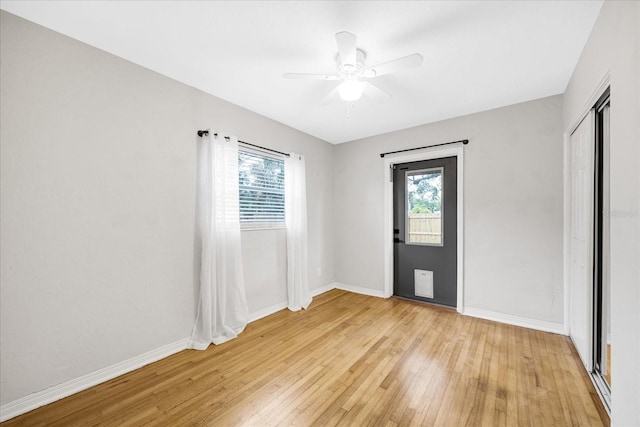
[97, 173]
[98, 164]
[512, 207]
[614, 47]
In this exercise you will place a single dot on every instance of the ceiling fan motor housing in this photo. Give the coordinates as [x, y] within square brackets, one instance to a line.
[351, 70]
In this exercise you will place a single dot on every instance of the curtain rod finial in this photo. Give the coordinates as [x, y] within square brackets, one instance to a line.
[203, 132]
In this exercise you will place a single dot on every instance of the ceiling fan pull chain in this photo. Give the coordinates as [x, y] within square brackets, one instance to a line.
[350, 106]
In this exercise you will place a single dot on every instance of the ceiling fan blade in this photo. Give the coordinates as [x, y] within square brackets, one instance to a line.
[395, 65]
[310, 76]
[347, 47]
[375, 92]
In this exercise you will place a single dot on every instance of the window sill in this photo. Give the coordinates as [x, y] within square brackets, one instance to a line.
[262, 226]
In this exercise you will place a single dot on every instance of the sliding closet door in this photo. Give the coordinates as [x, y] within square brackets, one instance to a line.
[582, 151]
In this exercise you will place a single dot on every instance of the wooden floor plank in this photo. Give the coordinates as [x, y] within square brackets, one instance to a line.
[351, 360]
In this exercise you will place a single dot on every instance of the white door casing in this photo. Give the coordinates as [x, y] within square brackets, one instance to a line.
[427, 154]
[581, 155]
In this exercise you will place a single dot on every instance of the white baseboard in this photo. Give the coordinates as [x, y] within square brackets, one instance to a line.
[282, 305]
[267, 311]
[359, 290]
[57, 392]
[323, 289]
[540, 325]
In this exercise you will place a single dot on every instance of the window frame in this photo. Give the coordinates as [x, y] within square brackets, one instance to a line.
[261, 225]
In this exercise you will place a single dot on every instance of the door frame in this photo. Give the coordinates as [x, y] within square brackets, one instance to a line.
[601, 87]
[427, 154]
[596, 94]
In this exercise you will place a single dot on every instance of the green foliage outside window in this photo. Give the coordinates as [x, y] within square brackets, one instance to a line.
[425, 192]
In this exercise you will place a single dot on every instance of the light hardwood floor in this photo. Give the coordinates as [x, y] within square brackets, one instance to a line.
[351, 360]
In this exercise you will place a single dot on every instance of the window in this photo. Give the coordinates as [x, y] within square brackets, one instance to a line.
[261, 185]
[424, 207]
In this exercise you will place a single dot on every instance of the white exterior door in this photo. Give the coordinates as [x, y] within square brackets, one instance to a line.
[582, 152]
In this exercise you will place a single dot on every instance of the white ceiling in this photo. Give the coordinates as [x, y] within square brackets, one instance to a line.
[477, 55]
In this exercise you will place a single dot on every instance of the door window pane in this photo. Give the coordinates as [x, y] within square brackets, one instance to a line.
[424, 207]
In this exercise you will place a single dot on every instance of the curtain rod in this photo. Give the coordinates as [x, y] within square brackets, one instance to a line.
[202, 133]
[464, 141]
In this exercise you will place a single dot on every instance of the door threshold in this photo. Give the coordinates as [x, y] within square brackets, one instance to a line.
[417, 301]
[603, 390]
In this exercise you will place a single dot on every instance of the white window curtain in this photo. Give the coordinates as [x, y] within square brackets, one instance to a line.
[222, 311]
[295, 188]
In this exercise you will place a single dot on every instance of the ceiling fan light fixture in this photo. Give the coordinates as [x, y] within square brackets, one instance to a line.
[351, 90]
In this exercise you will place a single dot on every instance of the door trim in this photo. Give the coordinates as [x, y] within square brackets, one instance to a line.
[596, 94]
[599, 90]
[428, 154]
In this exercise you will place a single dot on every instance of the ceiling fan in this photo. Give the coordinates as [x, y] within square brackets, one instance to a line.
[350, 63]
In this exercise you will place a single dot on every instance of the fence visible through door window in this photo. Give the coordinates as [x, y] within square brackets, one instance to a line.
[424, 207]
